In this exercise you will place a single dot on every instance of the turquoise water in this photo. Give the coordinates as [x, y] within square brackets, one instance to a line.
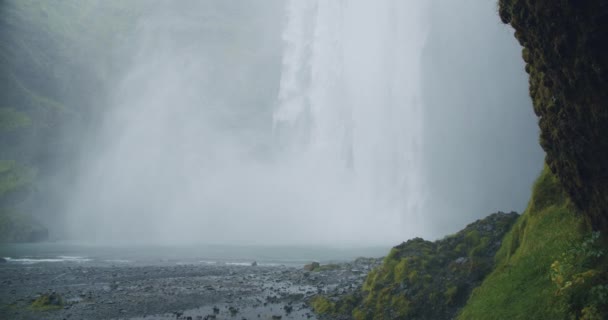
[157, 254]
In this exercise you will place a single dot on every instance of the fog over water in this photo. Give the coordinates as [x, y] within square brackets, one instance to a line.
[307, 122]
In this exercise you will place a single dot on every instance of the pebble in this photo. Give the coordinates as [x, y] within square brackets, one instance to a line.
[196, 291]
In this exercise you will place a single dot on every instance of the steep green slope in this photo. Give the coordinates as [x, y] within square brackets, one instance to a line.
[421, 279]
[550, 265]
[566, 51]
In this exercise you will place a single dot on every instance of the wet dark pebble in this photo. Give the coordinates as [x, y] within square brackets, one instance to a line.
[201, 292]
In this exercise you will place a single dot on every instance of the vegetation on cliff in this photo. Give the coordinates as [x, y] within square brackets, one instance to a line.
[566, 55]
[421, 279]
[550, 265]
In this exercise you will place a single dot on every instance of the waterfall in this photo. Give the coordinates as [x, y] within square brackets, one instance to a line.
[348, 103]
[186, 154]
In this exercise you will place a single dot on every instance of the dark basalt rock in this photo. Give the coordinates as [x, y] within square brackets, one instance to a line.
[566, 54]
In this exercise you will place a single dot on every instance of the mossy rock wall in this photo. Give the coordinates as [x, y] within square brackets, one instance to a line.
[565, 47]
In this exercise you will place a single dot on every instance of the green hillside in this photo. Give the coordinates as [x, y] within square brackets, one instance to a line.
[550, 265]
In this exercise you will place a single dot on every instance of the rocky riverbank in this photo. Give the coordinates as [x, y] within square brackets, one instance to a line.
[192, 291]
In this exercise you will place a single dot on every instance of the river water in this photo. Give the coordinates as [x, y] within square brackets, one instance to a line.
[80, 253]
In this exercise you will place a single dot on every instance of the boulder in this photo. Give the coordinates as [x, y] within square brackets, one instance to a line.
[48, 301]
[312, 266]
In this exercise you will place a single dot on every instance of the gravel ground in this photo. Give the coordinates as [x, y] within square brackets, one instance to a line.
[195, 291]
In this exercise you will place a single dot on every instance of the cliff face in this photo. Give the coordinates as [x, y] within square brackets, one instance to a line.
[551, 265]
[566, 54]
[52, 69]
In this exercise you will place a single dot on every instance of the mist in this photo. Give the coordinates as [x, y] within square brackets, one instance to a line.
[324, 123]
[480, 152]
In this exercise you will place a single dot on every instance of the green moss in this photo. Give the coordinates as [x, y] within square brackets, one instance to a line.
[413, 277]
[401, 270]
[520, 286]
[401, 306]
[546, 192]
[359, 314]
[480, 247]
[461, 248]
[450, 294]
[369, 281]
[48, 302]
[421, 279]
[472, 236]
[322, 305]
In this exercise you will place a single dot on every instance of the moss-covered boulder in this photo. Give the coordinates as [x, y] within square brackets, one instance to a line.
[46, 302]
[312, 266]
[566, 54]
[421, 279]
